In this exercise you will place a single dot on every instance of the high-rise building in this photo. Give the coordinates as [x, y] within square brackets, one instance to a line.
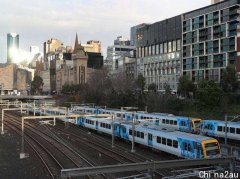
[133, 31]
[211, 40]
[12, 46]
[118, 51]
[158, 49]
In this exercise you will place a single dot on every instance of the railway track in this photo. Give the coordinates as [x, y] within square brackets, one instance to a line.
[51, 145]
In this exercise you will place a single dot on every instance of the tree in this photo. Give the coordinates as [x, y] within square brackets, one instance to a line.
[209, 95]
[167, 89]
[185, 86]
[141, 82]
[229, 81]
[36, 86]
[152, 87]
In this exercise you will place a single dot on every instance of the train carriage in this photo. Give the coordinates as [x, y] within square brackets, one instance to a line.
[174, 142]
[216, 128]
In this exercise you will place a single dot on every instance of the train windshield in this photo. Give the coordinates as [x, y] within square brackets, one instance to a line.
[212, 148]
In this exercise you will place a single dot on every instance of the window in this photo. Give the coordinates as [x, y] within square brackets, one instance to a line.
[225, 128]
[164, 141]
[142, 135]
[178, 45]
[138, 134]
[130, 131]
[159, 140]
[169, 46]
[175, 144]
[171, 122]
[232, 130]
[167, 121]
[163, 121]
[169, 142]
[175, 122]
[187, 146]
[238, 131]
[219, 128]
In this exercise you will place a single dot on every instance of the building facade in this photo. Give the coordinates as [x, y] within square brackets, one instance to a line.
[14, 79]
[12, 46]
[158, 48]
[93, 46]
[211, 40]
[117, 52]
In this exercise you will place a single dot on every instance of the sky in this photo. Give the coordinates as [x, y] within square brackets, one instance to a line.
[39, 20]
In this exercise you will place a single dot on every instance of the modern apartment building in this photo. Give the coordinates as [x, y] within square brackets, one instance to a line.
[211, 40]
[158, 47]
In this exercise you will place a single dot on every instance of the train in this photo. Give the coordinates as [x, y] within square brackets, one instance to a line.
[212, 128]
[184, 124]
[215, 128]
[180, 144]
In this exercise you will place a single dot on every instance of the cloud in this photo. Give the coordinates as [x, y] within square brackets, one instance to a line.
[104, 20]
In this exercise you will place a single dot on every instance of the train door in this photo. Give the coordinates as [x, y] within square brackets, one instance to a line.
[96, 125]
[123, 132]
[150, 142]
[117, 130]
[187, 149]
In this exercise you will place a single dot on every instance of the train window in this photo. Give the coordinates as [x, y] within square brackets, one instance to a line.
[187, 146]
[175, 144]
[171, 122]
[130, 131]
[138, 134]
[232, 130]
[219, 128]
[167, 121]
[238, 131]
[124, 130]
[141, 117]
[175, 123]
[159, 140]
[227, 129]
[142, 135]
[123, 115]
[164, 141]
[182, 123]
[169, 142]
[164, 121]
[135, 133]
[118, 115]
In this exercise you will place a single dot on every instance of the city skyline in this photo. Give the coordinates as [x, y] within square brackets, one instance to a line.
[35, 23]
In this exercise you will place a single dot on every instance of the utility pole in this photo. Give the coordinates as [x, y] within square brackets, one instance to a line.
[112, 131]
[133, 133]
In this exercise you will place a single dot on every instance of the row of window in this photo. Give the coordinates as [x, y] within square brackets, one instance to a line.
[211, 19]
[89, 122]
[104, 125]
[166, 47]
[137, 134]
[167, 121]
[168, 142]
[229, 129]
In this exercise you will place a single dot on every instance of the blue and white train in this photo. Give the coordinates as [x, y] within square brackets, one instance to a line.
[180, 123]
[216, 128]
[174, 142]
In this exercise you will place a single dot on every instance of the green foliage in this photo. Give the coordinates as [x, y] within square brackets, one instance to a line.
[141, 82]
[209, 95]
[167, 89]
[152, 87]
[185, 86]
[229, 81]
[36, 85]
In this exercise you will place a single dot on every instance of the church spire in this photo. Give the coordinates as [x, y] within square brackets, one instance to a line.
[76, 43]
